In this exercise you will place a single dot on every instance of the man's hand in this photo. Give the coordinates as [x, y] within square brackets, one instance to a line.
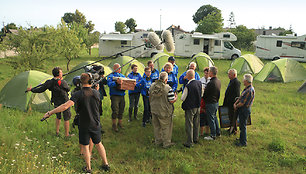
[119, 81]
[97, 87]
[47, 115]
[29, 89]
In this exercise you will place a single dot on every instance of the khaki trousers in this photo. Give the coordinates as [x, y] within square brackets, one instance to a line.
[192, 125]
[162, 126]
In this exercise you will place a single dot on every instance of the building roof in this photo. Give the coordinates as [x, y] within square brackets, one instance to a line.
[127, 37]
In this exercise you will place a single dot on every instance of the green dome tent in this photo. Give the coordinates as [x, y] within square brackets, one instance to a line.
[247, 63]
[282, 70]
[13, 93]
[202, 60]
[302, 89]
[70, 77]
[160, 60]
[127, 68]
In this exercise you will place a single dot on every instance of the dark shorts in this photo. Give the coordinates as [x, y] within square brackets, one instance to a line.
[66, 114]
[117, 105]
[203, 119]
[85, 135]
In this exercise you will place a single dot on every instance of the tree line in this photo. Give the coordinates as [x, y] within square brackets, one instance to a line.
[34, 45]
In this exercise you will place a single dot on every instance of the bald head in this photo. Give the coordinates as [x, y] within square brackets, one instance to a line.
[117, 67]
[190, 74]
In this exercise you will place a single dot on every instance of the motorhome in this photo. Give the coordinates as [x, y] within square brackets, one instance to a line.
[215, 45]
[114, 44]
[277, 47]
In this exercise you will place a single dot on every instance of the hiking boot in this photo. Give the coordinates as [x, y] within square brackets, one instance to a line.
[114, 126]
[120, 126]
[187, 145]
[168, 146]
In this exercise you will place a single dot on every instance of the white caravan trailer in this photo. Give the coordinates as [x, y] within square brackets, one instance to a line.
[215, 45]
[277, 47]
[114, 43]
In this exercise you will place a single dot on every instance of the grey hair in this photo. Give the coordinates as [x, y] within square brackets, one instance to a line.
[248, 78]
[195, 64]
[190, 72]
[168, 64]
[163, 76]
[233, 71]
[214, 70]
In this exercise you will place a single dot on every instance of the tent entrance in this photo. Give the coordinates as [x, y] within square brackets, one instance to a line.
[275, 75]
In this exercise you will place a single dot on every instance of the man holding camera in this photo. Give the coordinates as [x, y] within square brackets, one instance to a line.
[59, 91]
[88, 105]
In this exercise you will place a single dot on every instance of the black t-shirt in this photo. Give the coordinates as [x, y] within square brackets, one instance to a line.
[89, 106]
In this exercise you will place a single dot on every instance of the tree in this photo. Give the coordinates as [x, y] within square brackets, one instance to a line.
[203, 11]
[212, 23]
[68, 42]
[91, 40]
[245, 37]
[32, 46]
[78, 17]
[131, 24]
[120, 26]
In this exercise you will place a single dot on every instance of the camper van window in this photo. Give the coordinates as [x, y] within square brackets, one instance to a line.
[217, 42]
[298, 44]
[279, 43]
[123, 42]
[226, 36]
[145, 35]
[228, 45]
[196, 42]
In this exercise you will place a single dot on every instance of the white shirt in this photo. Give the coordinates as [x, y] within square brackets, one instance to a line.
[185, 92]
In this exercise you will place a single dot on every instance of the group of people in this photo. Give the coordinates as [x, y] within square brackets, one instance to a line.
[200, 98]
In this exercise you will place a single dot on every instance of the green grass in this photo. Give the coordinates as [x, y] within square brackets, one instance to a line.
[276, 138]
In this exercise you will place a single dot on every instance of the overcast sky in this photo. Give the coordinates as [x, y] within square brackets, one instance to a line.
[104, 14]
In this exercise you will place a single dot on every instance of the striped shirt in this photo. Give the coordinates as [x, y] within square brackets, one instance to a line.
[171, 95]
[247, 96]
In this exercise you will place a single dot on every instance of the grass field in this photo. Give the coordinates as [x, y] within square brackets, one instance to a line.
[276, 138]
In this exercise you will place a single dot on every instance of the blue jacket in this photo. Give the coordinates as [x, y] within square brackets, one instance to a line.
[172, 81]
[138, 78]
[113, 85]
[145, 85]
[154, 75]
[174, 70]
[185, 81]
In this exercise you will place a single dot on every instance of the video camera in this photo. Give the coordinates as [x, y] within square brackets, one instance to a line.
[96, 71]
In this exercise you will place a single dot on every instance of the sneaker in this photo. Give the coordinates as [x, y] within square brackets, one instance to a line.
[105, 167]
[86, 170]
[187, 145]
[218, 135]
[209, 138]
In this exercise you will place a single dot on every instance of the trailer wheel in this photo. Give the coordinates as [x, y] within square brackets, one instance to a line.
[234, 56]
[118, 55]
[275, 58]
[153, 54]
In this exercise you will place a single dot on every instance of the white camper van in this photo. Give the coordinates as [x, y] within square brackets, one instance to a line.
[277, 47]
[114, 43]
[215, 45]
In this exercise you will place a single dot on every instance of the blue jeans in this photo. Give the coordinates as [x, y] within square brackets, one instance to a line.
[146, 109]
[211, 111]
[243, 114]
